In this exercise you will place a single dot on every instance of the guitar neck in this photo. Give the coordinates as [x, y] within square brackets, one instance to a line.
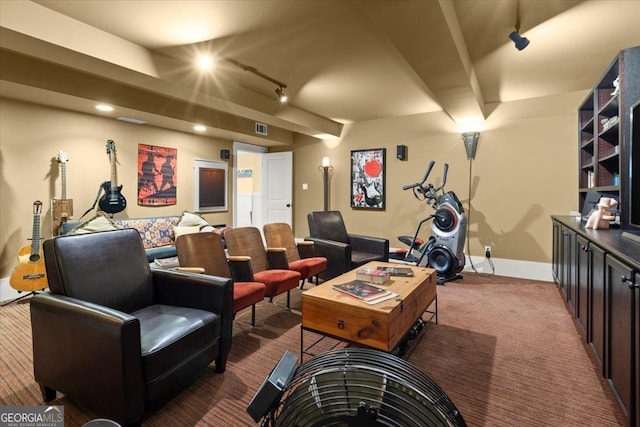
[63, 173]
[35, 235]
[114, 177]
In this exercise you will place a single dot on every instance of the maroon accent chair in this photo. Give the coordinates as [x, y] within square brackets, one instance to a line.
[117, 337]
[248, 262]
[206, 251]
[296, 256]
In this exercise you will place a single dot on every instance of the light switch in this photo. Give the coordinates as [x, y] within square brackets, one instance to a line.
[305, 186]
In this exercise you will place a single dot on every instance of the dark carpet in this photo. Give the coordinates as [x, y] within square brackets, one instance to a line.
[505, 350]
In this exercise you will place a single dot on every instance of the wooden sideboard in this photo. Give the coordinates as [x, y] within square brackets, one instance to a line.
[598, 274]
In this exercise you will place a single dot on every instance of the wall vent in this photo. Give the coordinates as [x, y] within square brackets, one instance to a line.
[261, 129]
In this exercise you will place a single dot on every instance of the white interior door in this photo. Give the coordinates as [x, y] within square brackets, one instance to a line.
[277, 187]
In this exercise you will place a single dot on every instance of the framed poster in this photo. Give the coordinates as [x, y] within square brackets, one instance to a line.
[157, 175]
[368, 178]
[210, 185]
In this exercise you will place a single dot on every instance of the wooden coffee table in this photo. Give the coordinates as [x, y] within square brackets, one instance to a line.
[382, 326]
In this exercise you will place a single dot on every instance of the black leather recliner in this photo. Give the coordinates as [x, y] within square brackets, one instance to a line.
[344, 251]
[118, 337]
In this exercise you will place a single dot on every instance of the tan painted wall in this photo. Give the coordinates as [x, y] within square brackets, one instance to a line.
[525, 170]
[31, 137]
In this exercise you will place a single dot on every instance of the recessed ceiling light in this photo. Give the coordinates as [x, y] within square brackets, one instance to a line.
[199, 128]
[205, 62]
[104, 107]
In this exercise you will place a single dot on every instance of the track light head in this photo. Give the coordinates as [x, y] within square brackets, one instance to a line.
[282, 96]
[520, 42]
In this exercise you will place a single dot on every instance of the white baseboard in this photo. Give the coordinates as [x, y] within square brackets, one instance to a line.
[6, 291]
[512, 268]
[503, 267]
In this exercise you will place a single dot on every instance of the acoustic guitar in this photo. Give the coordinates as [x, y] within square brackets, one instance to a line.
[112, 201]
[63, 207]
[29, 275]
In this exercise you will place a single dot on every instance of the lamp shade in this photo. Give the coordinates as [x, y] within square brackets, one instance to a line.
[470, 140]
[521, 42]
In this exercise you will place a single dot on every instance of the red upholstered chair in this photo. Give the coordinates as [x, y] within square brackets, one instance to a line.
[248, 261]
[206, 251]
[295, 256]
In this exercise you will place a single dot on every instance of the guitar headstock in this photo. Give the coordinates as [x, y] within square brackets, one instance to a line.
[62, 157]
[37, 207]
[111, 147]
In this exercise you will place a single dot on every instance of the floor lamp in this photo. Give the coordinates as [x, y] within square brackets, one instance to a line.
[326, 170]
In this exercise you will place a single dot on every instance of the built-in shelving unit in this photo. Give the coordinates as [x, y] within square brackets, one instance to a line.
[598, 271]
[604, 130]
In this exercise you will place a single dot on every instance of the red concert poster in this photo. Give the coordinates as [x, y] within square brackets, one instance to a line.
[157, 175]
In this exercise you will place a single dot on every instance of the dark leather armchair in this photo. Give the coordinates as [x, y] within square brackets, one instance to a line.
[344, 251]
[118, 337]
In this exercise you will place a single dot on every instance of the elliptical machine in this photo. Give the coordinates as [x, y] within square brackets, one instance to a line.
[444, 251]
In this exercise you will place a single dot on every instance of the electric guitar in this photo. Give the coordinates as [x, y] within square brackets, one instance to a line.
[112, 201]
[29, 275]
[63, 207]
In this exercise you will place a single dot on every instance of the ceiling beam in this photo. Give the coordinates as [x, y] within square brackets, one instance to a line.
[133, 75]
[446, 70]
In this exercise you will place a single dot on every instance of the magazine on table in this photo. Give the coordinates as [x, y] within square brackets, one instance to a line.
[362, 290]
[170, 262]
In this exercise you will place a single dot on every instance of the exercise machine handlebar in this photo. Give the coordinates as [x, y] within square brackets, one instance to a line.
[428, 191]
[426, 175]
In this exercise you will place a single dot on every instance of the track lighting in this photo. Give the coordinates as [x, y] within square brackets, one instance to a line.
[521, 42]
[282, 96]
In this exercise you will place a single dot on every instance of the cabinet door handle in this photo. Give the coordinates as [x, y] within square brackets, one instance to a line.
[586, 248]
[625, 279]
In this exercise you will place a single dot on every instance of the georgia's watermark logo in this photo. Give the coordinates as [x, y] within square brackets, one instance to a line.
[32, 416]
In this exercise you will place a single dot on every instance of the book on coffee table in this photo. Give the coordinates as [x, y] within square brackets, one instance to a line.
[397, 271]
[362, 290]
[372, 275]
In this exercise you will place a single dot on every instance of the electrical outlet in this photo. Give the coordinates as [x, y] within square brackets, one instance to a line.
[487, 251]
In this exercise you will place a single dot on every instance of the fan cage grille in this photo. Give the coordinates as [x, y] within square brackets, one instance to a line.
[365, 387]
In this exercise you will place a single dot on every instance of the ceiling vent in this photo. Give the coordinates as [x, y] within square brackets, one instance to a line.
[261, 129]
[131, 120]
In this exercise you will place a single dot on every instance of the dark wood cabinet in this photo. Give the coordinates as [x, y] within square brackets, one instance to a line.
[636, 374]
[596, 337]
[606, 302]
[556, 253]
[598, 271]
[583, 284]
[567, 265]
[619, 332]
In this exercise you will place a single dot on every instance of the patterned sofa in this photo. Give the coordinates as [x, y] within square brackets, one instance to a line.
[157, 233]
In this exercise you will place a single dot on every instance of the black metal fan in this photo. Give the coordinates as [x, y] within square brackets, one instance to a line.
[357, 387]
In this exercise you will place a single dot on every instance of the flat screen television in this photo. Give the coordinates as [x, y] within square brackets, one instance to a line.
[632, 226]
